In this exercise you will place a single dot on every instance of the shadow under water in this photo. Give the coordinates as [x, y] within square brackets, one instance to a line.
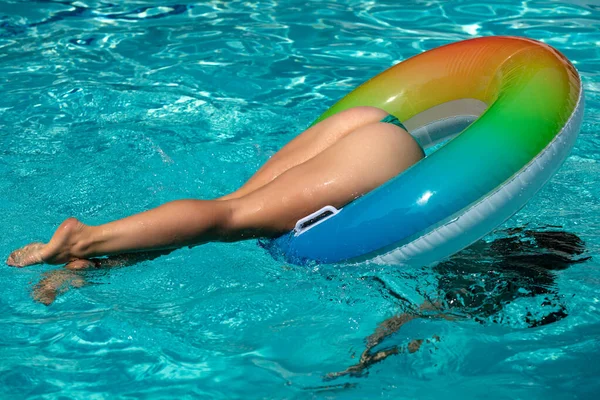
[479, 282]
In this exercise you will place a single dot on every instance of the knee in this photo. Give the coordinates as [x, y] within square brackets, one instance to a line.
[250, 218]
[232, 222]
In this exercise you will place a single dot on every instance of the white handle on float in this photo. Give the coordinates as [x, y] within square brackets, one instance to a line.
[314, 219]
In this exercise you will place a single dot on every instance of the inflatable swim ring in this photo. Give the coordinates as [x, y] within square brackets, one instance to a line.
[512, 108]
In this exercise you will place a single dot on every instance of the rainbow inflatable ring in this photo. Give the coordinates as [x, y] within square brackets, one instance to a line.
[512, 108]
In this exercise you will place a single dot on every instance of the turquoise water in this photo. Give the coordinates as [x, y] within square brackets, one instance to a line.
[109, 108]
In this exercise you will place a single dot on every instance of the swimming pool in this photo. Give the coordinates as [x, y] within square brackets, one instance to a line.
[109, 108]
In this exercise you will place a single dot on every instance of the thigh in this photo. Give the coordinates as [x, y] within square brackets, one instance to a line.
[356, 164]
[309, 143]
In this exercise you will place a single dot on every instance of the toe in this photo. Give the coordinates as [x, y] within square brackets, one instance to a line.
[14, 258]
[10, 261]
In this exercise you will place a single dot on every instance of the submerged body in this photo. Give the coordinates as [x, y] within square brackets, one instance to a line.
[331, 163]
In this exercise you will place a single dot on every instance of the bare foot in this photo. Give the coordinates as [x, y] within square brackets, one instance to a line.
[28, 255]
[59, 250]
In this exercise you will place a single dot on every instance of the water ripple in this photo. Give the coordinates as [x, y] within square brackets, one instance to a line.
[112, 107]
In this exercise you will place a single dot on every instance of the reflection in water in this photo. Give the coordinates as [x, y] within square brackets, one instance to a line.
[479, 282]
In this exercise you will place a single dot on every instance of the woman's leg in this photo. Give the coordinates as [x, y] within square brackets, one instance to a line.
[354, 165]
[308, 144]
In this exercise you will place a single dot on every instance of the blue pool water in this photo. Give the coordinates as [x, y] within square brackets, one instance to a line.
[112, 107]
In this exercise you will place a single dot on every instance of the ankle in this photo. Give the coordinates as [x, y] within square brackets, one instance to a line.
[83, 247]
